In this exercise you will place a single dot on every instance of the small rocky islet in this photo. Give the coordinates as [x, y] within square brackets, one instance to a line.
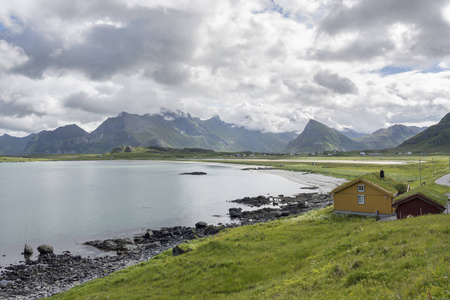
[51, 273]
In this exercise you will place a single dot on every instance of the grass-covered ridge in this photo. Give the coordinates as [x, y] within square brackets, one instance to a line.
[318, 255]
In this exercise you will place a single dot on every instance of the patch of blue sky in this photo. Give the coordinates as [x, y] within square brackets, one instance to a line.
[275, 7]
[391, 70]
[285, 14]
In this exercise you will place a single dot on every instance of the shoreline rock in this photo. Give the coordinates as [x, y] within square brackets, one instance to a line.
[45, 249]
[27, 250]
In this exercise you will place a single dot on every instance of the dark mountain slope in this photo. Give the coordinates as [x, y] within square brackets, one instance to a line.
[318, 137]
[10, 145]
[59, 141]
[389, 137]
[435, 138]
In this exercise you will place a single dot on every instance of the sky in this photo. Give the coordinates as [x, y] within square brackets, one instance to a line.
[265, 64]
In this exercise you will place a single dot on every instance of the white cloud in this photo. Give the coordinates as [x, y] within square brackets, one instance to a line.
[11, 56]
[268, 65]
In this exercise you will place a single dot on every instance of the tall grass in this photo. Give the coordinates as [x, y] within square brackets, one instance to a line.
[319, 255]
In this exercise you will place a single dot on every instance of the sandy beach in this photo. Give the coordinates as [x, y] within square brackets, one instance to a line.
[325, 184]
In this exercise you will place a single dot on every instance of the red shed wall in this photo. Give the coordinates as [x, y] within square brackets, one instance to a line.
[413, 207]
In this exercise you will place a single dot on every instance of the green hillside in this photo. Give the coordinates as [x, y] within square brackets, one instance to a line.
[318, 255]
[434, 139]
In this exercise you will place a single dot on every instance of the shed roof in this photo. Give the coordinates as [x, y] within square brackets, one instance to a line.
[425, 191]
[386, 184]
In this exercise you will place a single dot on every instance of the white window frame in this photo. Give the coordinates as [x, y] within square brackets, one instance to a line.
[361, 188]
[362, 199]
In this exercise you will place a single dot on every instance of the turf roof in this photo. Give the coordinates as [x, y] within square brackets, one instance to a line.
[385, 183]
[427, 192]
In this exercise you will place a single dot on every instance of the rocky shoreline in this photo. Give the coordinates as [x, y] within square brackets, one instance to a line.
[50, 274]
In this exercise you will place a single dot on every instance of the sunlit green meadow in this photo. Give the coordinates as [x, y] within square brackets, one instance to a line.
[319, 255]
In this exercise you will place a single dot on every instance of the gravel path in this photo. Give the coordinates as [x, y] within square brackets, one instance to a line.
[444, 180]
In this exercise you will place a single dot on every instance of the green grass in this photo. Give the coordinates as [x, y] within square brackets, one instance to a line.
[319, 255]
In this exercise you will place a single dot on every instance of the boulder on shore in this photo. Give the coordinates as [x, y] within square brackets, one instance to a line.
[28, 250]
[201, 224]
[45, 249]
[111, 244]
[235, 212]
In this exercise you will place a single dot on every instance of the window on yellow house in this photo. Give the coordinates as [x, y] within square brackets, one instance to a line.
[361, 188]
[361, 199]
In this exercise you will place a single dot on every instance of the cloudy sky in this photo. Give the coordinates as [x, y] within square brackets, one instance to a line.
[269, 65]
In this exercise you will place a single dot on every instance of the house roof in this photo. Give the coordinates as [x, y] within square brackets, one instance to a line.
[385, 185]
[427, 194]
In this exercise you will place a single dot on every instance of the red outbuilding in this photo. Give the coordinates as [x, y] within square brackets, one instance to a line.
[419, 202]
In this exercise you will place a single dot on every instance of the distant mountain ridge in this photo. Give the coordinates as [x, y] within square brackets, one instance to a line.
[58, 141]
[352, 133]
[167, 129]
[181, 130]
[389, 137]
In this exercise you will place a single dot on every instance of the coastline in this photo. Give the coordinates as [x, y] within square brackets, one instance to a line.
[59, 273]
[324, 184]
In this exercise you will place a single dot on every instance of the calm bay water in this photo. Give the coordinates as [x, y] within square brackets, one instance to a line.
[67, 203]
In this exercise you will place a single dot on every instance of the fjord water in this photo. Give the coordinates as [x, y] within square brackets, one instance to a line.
[67, 203]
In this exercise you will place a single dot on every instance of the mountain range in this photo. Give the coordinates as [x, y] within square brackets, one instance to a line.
[318, 137]
[167, 129]
[181, 130]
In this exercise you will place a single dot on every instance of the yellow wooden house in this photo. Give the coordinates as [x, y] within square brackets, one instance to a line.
[366, 195]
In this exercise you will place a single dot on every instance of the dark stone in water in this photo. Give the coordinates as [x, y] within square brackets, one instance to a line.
[194, 173]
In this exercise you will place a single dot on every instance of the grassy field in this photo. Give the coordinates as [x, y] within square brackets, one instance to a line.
[318, 255]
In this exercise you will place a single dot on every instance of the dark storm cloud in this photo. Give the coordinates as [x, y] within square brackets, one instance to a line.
[372, 20]
[335, 83]
[360, 49]
[38, 47]
[82, 101]
[16, 109]
[135, 39]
